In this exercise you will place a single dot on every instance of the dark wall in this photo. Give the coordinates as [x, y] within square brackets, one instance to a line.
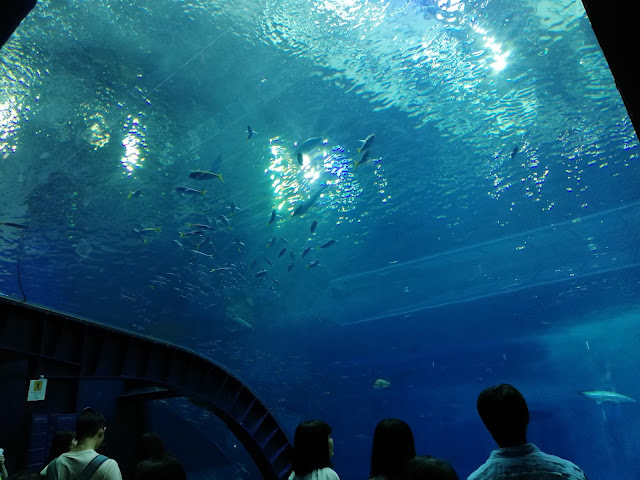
[15, 416]
[11, 14]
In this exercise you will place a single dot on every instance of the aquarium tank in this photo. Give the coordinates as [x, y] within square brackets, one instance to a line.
[361, 208]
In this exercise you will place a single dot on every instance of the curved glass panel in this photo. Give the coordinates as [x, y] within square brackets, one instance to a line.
[364, 208]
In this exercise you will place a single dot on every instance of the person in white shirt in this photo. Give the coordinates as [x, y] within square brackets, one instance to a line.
[504, 412]
[312, 452]
[79, 463]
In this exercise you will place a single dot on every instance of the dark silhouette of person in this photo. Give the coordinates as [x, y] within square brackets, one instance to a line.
[428, 468]
[504, 412]
[312, 452]
[165, 467]
[151, 446]
[62, 442]
[393, 446]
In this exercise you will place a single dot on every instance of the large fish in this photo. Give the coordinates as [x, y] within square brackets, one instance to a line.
[367, 142]
[190, 191]
[601, 396]
[205, 175]
[307, 147]
[302, 208]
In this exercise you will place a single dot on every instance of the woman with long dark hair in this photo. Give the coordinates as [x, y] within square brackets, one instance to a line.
[393, 447]
[312, 452]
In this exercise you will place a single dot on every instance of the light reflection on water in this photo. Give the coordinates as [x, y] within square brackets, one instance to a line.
[134, 144]
[322, 166]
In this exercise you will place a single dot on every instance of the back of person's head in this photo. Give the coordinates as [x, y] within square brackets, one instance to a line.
[151, 446]
[61, 443]
[311, 447]
[429, 468]
[504, 412]
[393, 446]
[89, 423]
[163, 468]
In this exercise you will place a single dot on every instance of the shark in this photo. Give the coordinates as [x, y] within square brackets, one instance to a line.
[601, 396]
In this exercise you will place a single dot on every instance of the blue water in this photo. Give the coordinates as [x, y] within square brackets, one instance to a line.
[459, 262]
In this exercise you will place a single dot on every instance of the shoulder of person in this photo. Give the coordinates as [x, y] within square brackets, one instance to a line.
[329, 473]
[110, 469]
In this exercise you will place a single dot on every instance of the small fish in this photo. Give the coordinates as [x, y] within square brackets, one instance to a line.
[273, 216]
[198, 252]
[192, 233]
[137, 193]
[177, 243]
[200, 226]
[268, 261]
[190, 191]
[290, 267]
[272, 242]
[260, 274]
[306, 250]
[313, 226]
[381, 383]
[300, 159]
[144, 231]
[250, 132]
[224, 220]
[15, 225]
[601, 396]
[327, 244]
[292, 255]
[363, 158]
[204, 242]
[282, 252]
[315, 263]
[367, 142]
[233, 207]
[223, 269]
[283, 240]
[514, 152]
[276, 282]
[238, 242]
[204, 175]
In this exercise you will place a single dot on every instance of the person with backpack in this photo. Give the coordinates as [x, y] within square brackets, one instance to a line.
[83, 462]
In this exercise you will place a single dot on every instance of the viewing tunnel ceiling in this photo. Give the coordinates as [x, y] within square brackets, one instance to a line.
[191, 171]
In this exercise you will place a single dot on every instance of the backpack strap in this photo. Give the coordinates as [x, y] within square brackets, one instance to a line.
[52, 473]
[91, 468]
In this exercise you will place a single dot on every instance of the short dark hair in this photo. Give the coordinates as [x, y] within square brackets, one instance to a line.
[88, 423]
[151, 446]
[163, 468]
[311, 447]
[393, 446]
[504, 412]
[59, 444]
[429, 468]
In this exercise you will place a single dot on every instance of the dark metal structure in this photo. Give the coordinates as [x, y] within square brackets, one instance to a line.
[615, 26]
[12, 12]
[68, 349]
